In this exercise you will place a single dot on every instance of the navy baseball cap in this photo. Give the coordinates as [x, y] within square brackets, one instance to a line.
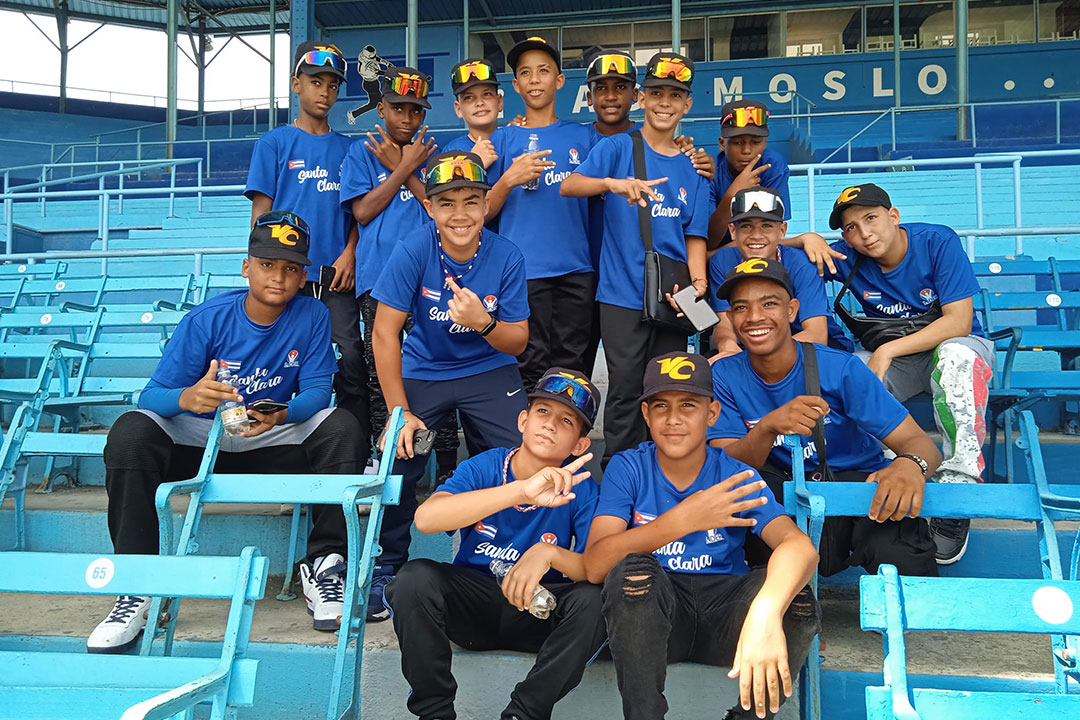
[667, 69]
[406, 85]
[677, 371]
[280, 235]
[755, 268]
[760, 202]
[611, 63]
[454, 169]
[470, 73]
[314, 58]
[532, 43]
[744, 117]
[573, 390]
[867, 194]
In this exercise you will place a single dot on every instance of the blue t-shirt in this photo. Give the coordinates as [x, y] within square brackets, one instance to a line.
[596, 206]
[414, 281]
[861, 410]
[808, 285]
[636, 490]
[271, 361]
[301, 173]
[551, 230]
[362, 173]
[683, 211]
[776, 177]
[505, 535]
[462, 143]
[936, 267]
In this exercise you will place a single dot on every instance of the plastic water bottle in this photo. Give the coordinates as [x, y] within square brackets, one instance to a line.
[233, 414]
[543, 602]
[534, 146]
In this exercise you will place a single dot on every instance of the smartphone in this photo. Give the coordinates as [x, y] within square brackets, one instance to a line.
[422, 441]
[267, 407]
[326, 275]
[696, 310]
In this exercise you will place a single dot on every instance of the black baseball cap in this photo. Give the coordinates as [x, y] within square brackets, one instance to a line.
[744, 117]
[280, 235]
[406, 85]
[760, 202]
[470, 73]
[573, 390]
[761, 268]
[532, 43]
[454, 169]
[314, 58]
[677, 371]
[666, 69]
[868, 194]
[605, 63]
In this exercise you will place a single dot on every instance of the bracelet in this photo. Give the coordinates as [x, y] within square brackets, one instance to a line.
[489, 327]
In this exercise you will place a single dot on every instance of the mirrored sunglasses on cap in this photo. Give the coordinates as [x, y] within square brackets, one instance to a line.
[612, 63]
[478, 70]
[451, 168]
[672, 68]
[408, 85]
[319, 58]
[744, 116]
[575, 389]
[283, 217]
[764, 201]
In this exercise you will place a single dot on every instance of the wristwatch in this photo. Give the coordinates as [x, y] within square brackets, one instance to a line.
[918, 461]
[491, 326]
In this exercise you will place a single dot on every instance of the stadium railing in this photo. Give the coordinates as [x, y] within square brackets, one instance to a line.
[62, 684]
[892, 605]
[351, 491]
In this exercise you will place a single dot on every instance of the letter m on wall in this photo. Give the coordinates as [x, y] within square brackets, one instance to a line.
[723, 92]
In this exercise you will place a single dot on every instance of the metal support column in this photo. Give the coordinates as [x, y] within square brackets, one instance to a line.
[301, 29]
[464, 29]
[897, 41]
[200, 65]
[411, 34]
[62, 46]
[676, 26]
[270, 113]
[960, 8]
[170, 71]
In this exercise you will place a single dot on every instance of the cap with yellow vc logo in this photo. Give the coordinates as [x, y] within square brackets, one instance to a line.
[678, 371]
[866, 195]
[280, 235]
[755, 268]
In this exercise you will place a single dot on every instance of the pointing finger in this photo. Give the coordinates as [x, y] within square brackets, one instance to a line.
[577, 464]
[452, 285]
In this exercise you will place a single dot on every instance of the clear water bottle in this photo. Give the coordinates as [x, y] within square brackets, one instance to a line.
[543, 602]
[233, 414]
[534, 146]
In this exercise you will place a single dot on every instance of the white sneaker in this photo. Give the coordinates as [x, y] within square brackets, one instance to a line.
[324, 590]
[118, 632]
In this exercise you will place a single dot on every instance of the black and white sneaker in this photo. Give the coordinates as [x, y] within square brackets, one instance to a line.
[324, 590]
[376, 609]
[951, 538]
[118, 632]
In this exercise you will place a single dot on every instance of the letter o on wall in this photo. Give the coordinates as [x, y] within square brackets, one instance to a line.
[941, 78]
[789, 87]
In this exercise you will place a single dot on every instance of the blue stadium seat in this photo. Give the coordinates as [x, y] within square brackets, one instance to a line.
[58, 684]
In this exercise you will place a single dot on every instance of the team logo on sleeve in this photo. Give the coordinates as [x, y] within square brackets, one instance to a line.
[574, 159]
[714, 536]
[868, 295]
[432, 295]
[549, 538]
[490, 303]
[641, 518]
[293, 359]
[927, 296]
[682, 195]
[296, 164]
[486, 530]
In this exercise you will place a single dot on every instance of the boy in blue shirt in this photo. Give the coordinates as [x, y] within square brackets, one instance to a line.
[667, 543]
[277, 343]
[522, 506]
[903, 270]
[297, 168]
[757, 225]
[382, 189]
[465, 287]
[744, 162]
[476, 101]
[763, 395]
[678, 198]
[550, 230]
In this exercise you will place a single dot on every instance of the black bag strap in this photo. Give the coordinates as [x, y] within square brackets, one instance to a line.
[847, 281]
[813, 387]
[644, 218]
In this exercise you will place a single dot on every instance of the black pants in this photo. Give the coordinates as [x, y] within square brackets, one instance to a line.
[139, 456]
[655, 618]
[594, 342]
[560, 318]
[350, 381]
[857, 541]
[446, 438]
[629, 344]
[488, 404]
[434, 604]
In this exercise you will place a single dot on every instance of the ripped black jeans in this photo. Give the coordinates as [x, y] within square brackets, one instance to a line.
[697, 617]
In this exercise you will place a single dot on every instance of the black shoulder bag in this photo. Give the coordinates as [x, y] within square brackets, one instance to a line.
[813, 387]
[662, 273]
[872, 333]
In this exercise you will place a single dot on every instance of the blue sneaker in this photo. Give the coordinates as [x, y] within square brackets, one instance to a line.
[376, 609]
